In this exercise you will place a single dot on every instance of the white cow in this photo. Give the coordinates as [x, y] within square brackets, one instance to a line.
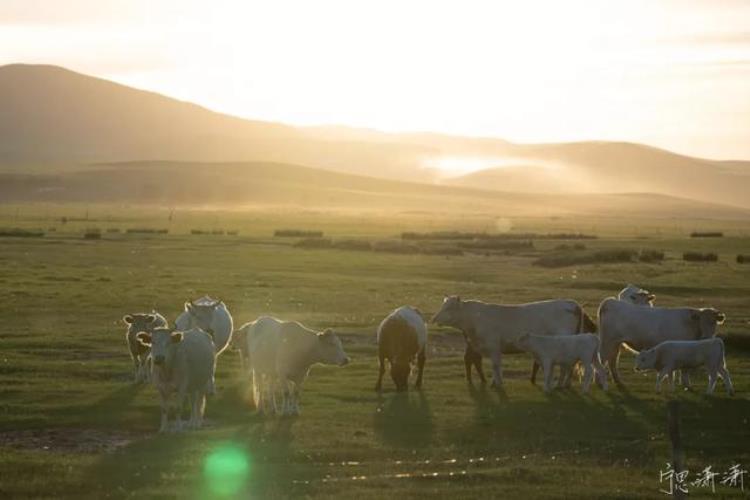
[493, 328]
[566, 351]
[673, 355]
[638, 327]
[401, 337]
[139, 353]
[636, 295]
[280, 355]
[211, 316]
[183, 363]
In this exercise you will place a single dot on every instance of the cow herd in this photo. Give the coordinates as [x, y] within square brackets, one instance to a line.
[277, 355]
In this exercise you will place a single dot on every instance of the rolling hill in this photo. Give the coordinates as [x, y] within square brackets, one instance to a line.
[52, 117]
[254, 184]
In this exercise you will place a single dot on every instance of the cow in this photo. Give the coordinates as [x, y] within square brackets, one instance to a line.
[137, 323]
[401, 337]
[636, 295]
[638, 327]
[671, 355]
[183, 363]
[280, 355]
[493, 328]
[565, 351]
[211, 316]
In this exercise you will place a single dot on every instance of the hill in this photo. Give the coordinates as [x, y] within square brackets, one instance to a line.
[50, 116]
[275, 184]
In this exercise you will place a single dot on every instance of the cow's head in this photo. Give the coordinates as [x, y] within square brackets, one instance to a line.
[645, 360]
[160, 340]
[140, 322]
[330, 350]
[636, 295]
[202, 312]
[400, 371]
[707, 320]
[450, 312]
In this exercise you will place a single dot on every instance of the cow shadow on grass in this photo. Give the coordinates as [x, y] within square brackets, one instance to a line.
[404, 419]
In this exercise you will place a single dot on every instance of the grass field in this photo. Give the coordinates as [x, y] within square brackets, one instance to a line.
[72, 424]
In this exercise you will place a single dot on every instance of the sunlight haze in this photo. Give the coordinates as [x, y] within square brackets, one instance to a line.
[668, 74]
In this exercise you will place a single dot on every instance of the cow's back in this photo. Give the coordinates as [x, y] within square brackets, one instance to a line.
[549, 317]
[400, 335]
[644, 327]
[263, 338]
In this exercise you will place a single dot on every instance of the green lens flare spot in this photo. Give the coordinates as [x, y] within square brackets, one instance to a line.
[226, 470]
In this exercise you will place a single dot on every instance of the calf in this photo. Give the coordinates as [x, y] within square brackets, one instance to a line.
[566, 351]
[183, 363]
[139, 353]
[673, 355]
[401, 337]
[280, 355]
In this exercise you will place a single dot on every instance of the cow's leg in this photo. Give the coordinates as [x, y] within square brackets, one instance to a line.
[727, 380]
[613, 360]
[179, 404]
[211, 388]
[287, 407]
[164, 405]
[136, 368]
[534, 371]
[601, 373]
[712, 378]
[296, 391]
[588, 377]
[548, 368]
[478, 368]
[497, 368]
[468, 361]
[685, 378]
[421, 358]
[562, 379]
[381, 371]
[672, 379]
[660, 376]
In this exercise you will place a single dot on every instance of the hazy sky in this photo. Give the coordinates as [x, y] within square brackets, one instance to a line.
[675, 74]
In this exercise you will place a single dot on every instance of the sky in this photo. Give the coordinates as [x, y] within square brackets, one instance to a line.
[673, 74]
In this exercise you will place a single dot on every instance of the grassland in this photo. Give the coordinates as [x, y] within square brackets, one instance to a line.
[73, 425]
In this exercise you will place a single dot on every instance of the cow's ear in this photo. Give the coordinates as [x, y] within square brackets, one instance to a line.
[188, 306]
[144, 338]
[128, 319]
[176, 337]
[328, 332]
[150, 318]
[720, 317]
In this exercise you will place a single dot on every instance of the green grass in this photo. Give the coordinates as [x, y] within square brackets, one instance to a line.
[65, 372]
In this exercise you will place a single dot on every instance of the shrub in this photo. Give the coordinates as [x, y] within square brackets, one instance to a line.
[313, 243]
[113, 230]
[496, 244]
[651, 256]
[706, 234]
[198, 231]
[233, 233]
[146, 230]
[458, 235]
[51, 229]
[16, 232]
[700, 257]
[395, 246]
[297, 233]
[362, 245]
[218, 232]
[598, 257]
[92, 234]
[743, 259]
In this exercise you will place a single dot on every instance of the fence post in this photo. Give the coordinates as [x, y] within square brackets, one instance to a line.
[678, 455]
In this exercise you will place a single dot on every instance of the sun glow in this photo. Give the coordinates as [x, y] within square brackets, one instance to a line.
[667, 73]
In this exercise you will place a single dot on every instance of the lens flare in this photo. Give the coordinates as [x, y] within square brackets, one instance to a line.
[226, 470]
